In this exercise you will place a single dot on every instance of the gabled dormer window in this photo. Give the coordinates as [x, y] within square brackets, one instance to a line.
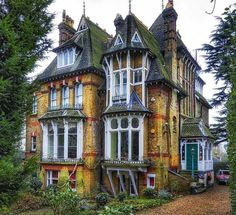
[65, 96]
[136, 38]
[118, 41]
[66, 57]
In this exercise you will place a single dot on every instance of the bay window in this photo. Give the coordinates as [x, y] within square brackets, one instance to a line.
[120, 84]
[124, 138]
[50, 141]
[65, 96]
[62, 140]
[60, 133]
[72, 140]
[137, 76]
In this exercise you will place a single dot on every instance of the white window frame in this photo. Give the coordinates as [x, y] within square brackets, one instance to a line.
[134, 38]
[65, 96]
[50, 178]
[53, 97]
[66, 58]
[122, 94]
[135, 71]
[33, 143]
[78, 97]
[118, 41]
[148, 180]
[73, 180]
[34, 105]
[130, 129]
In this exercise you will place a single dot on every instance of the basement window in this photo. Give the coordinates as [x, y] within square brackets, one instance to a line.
[72, 180]
[52, 177]
[151, 181]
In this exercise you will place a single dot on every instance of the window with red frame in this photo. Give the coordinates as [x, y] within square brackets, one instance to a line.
[72, 180]
[151, 181]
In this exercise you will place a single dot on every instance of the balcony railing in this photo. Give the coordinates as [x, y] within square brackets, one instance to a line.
[62, 160]
[133, 163]
[64, 107]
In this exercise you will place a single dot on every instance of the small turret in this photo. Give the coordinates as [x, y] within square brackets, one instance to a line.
[118, 22]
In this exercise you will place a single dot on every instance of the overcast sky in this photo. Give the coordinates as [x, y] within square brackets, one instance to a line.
[193, 23]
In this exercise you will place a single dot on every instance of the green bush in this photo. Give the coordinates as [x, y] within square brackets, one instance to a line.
[122, 196]
[35, 184]
[63, 202]
[102, 199]
[28, 201]
[163, 194]
[141, 204]
[150, 193]
[119, 210]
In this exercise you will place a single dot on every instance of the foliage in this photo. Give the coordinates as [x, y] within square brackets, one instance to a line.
[150, 193]
[141, 204]
[120, 210]
[163, 194]
[102, 199]
[220, 165]
[13, 177]
[35, 184]
[28, 201]
[122, 196]
[24, 25]
[62, 202]
[221, 62]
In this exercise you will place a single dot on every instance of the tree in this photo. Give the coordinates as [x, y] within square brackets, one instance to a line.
[24, 25]
[221, 61]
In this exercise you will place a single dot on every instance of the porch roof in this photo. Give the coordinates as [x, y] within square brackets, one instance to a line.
[195, 127]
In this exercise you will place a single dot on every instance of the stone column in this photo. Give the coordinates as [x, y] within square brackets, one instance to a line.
[45, 140]
[55, 139]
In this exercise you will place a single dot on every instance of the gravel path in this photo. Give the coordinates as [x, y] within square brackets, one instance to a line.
[214, 201]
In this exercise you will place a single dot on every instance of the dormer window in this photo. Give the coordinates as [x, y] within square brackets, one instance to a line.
[66, 57]
[118, 41]
[136, 38]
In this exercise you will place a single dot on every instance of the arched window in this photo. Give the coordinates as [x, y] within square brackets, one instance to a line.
[124, 138]
[78, 95]
[53, 97]
[65, 96]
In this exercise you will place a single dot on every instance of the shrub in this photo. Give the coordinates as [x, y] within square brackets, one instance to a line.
[63, 202]
[120, 210]
[150, 193]
[28, 201]
[122, 196]
[35, 184]
[102, 199]
[163, 194]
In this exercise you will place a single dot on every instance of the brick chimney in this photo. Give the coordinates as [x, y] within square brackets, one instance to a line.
[66, 28]
[170, 39]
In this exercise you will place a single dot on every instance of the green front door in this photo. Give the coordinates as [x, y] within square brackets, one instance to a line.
[192, 156]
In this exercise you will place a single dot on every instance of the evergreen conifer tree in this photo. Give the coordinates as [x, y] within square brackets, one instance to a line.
[24, 26]
[221, 61]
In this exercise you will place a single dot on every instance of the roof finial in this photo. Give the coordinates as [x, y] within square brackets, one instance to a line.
[162, 5]
[84, 8]
[171, 2]
[130, 6]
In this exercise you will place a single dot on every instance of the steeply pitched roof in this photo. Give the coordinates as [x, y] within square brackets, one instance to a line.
[203, 100]
[135, 105]
[158, 28]
[90, 47]
[195, 128]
